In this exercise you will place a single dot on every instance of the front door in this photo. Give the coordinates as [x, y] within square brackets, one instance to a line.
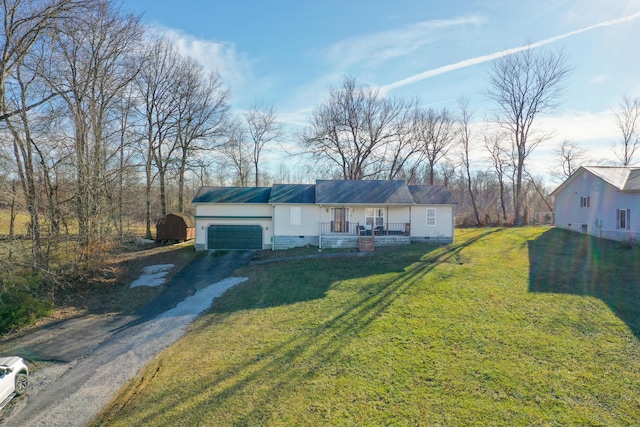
[340, 220]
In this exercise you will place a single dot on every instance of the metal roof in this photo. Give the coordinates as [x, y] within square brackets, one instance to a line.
[293, 193]
[326, 192]
[633, 181]
[363, 192]
[614, 175]
[624, 178]
[431, 195]
[233, 195]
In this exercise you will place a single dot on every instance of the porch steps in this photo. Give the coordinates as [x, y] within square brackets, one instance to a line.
[366, 244]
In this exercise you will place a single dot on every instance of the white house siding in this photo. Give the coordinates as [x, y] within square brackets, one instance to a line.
[233, 214]
[287, 235]
[441, 232]
[599, 218]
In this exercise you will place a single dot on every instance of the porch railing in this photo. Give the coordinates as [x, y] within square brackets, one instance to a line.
[354, 229]
[339, 228]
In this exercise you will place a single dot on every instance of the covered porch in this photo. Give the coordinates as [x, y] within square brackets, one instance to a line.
[353, 234]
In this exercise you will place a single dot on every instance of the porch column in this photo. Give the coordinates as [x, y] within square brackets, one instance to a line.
[320, 232]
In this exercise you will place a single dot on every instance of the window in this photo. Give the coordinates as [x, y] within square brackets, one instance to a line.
[623, 219]
[431, 216]
[374, 217]
[585, 201]
[296, 215]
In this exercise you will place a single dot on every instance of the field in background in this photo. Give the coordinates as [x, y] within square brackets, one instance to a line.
[22, 219]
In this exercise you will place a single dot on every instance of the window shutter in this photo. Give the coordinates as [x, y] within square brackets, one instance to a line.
[628, 219]
[588, 201]
[617, 218]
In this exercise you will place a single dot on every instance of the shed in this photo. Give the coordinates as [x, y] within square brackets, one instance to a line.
[175, 227]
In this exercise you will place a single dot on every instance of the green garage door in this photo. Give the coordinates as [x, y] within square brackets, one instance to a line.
[234, 237]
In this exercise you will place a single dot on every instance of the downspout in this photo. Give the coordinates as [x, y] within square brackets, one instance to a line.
[453, 221]
[386, 226]
[273, 227]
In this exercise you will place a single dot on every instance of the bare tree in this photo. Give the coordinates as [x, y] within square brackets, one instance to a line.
[26, 24]
[524, 85]
[500, 161]
[93, 64]
[26, 159]
[436, 132]
[404, 152]
[158, 99]
[628, 121]
[126, 151]
[447, 172]
[237, 152]
[350, 130]
[262, 129]
[569, 157]
[201, 114]
[466, 144]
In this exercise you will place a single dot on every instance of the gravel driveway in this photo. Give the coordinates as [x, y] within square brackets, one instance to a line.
[71, 393]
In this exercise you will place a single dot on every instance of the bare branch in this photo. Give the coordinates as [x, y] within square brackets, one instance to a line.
[522, 86]
[628, 121]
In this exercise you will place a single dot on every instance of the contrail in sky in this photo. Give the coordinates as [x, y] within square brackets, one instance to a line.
[485, 58]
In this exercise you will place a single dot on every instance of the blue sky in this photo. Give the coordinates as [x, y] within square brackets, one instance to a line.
[290, 53]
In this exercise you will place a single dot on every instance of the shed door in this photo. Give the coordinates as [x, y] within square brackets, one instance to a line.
[234, 237]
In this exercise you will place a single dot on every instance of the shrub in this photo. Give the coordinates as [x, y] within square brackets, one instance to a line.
[19, 301]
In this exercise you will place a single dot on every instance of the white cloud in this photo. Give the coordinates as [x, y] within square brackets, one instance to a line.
[382, 46]
[581, 126]
[598, 79]
[221, 57]
[596, 133]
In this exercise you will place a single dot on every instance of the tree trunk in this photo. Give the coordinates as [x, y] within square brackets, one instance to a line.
[471, 194]
[149, 177]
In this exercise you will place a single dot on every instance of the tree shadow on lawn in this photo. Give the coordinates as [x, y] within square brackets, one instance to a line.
[279, 370]
[563, 261]
[293, 281]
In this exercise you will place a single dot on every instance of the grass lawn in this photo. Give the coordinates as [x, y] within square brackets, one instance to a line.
[529, 326]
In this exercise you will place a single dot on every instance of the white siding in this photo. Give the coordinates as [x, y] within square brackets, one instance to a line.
[235, 214]
[444, 222]
[604, 200]
[233, 210]
[310, 224]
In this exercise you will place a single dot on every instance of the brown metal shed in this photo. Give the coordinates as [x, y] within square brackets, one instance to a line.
[175, 227]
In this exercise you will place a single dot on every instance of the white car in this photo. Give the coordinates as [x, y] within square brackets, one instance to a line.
[14, 378]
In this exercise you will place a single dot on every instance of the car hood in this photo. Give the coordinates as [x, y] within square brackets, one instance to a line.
[10, 360]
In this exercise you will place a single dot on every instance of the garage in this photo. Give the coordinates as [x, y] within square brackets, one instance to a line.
[234, 237]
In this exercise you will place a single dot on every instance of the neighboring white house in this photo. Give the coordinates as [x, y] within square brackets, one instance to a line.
[603, 201]
[327, 214]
